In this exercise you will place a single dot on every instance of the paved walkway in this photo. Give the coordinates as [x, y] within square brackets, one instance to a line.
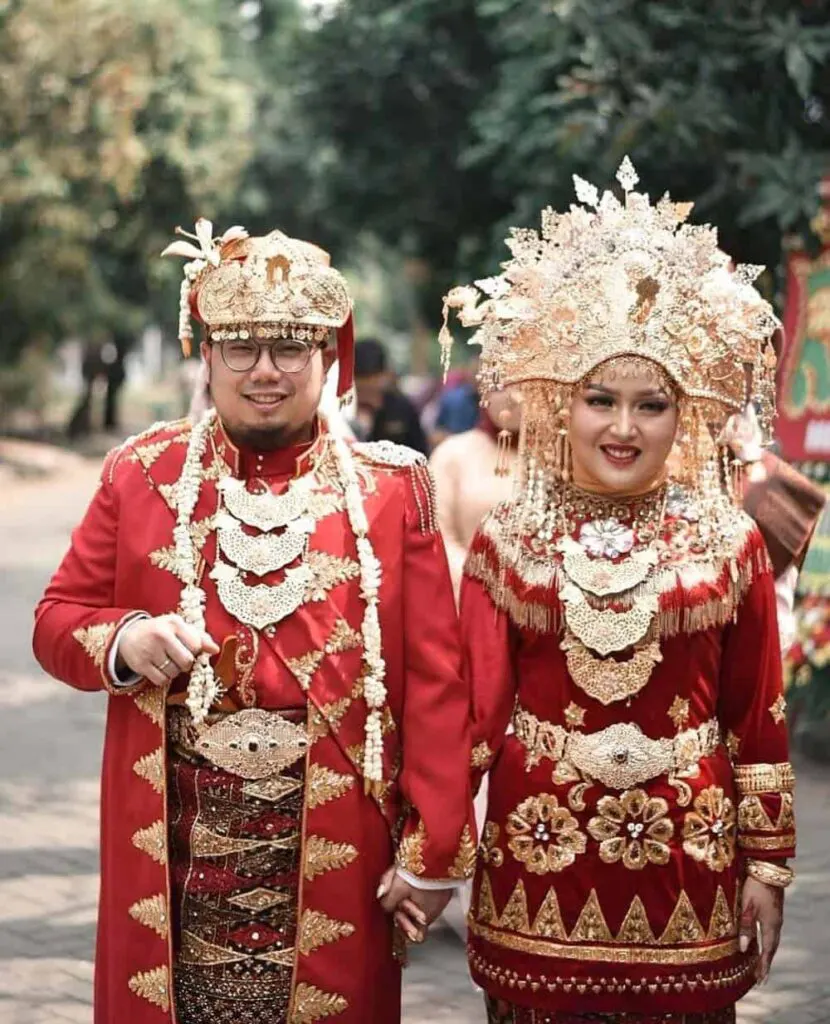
[50, 742]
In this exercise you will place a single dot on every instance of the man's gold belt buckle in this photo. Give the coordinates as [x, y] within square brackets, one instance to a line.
[253, 744]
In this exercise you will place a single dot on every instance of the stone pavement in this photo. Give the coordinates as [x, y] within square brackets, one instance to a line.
[50, 744]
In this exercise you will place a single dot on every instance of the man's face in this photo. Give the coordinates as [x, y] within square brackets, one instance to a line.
[371, 389]
[264, 407]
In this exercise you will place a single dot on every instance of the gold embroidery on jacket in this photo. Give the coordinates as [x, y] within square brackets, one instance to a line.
[514, 916]
[152, 912]
[780, 842]
[574, 716]
[343, 638]
[633, 828]
[305, 666]
[154, 986]
[165, 558]
[325, 785]
[733, 744]
[481, 755]
[709, 830]
[683, 926]
[152, 841]
[546, 837]
[635, 929]
[95, 640]
[151, 768]
[486, 907]
[465, 860]
[310, 1004]
[488, 850]
[328, 571]
[764, 778]
[317, 929]
[721, 924]
[548, 921]
[322, 855]
[778, 709]
[786, 817]
[411, 850]
[151, 702]
[679, 713]
[752, 816]
[147, 454]
[591, 925]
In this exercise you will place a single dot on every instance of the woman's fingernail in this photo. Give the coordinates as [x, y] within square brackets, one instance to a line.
[744, 943]
[383, 889]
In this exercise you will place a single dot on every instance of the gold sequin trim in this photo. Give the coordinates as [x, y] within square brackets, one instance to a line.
[152, 841]
[317, 929]
[764, 778]
[526, 614]
[95, 640]
[151, 768]
[465, 860]
[152, 912]
[325, 785]
[154, 986]
[322, 855]
[411, 850]
[310, 1004]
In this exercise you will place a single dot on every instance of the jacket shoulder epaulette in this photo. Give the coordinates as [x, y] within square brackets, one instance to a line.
[388, 454]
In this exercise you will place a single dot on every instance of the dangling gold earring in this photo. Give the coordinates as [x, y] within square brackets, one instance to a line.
[503, 443]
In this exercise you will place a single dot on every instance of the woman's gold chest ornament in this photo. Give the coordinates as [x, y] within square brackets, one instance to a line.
[262, 605]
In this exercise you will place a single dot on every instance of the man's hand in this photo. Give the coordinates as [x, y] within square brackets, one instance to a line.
[414, 909]
[160, 649]
[761, 905]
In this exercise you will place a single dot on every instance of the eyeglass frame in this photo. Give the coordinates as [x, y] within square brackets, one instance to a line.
[309, 346]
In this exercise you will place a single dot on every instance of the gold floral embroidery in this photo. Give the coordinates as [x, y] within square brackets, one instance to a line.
[165, 558]
[152, 912]
[310, 1004]
[304, 667]
[778, 709]
[150, 702]
[327, 572]
[335, 710]
[151, 768]
[153, 986]
[683, 926]
[546, 837]
[481, 756]
[343, 638]
[574, 715]
[147, 454]
[514, 916]
[721, 924]
[152, 841]
[95, 640]
[168, 494]
[733, 744]
[764, 778]
[635, 928]
[324, 503]
[411, 850]
[488, 851]
[317, 725]
[709, 830]
[465, 860]
[591, 925]
[486, 911]
[548, 921]
[324, 785]
[679, 712]
[632, 828]
[322, 855]
[317, 929]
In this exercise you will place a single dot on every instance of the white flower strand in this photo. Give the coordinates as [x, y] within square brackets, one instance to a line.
[374, 690]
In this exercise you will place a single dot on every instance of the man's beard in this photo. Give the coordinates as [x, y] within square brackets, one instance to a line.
[267, 439]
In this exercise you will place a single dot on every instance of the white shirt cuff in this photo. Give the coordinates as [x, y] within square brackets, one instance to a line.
[133, 677]
[428, 884]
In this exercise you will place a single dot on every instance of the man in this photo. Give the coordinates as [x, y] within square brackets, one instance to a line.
[271, 613]
[383, 412]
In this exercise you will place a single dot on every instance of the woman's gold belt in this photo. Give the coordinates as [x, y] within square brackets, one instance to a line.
[620, 756]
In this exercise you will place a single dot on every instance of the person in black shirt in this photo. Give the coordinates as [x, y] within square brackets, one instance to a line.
[383, 412]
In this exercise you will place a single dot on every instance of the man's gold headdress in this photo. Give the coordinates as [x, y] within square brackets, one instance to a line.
[610, 279]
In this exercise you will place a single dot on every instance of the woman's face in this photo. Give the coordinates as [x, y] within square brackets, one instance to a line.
[623, 422]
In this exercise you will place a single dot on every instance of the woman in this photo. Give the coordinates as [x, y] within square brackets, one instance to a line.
[640, 815]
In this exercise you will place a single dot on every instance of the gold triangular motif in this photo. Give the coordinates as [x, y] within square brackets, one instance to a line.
[310, 1004]
[591, 925]
[151, 768]
[305, 666]
[548, 922]
[635, 928]
[721, 925]
[325, 784]
[168, 493]
[327, 572]
[95, 640]
[683, 925]
[322, 855]
[150, 702]
[486, 909]
[147, 454]
[343, 638]
[514, 916]
[317, 929]
[465, 860]
[152, 841]
[153, 986]
[151, 912]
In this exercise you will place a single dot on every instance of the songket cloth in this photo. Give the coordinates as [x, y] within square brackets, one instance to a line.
[501, 1012]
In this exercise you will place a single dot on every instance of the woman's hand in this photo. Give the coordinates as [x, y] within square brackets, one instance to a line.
[160, 649]
[414, 909]
[761, 905]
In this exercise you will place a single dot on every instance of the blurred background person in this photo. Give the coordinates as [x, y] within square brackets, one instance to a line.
[384, 413]
[458, 405]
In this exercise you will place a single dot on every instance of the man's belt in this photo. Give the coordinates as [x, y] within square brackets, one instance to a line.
[252, 743]
[620, 756]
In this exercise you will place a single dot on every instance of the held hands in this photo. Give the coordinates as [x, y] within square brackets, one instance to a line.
[160, 649]
[761, 905]
[414, 909]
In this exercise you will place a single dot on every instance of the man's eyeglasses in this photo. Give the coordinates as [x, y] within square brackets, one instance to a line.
[289, 355]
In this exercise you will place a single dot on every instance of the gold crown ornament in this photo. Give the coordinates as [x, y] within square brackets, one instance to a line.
[609, 279]
[262, 288]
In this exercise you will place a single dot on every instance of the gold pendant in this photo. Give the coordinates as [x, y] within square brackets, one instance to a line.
[266, 511]
[607, 631]
[261, 605]
[262, 554]
[600, 576]
[607, 680]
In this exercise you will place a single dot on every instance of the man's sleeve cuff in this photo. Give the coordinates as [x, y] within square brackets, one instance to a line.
[122, 682]
[429, 884]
